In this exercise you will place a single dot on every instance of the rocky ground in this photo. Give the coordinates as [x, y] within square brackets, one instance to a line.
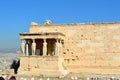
[74, 76]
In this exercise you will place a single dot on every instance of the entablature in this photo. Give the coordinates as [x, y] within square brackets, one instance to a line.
[55, 35]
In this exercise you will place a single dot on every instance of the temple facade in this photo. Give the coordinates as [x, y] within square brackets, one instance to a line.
[57, 49]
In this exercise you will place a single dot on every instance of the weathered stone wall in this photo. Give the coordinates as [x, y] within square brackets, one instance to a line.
[88, 45]
[39, 65]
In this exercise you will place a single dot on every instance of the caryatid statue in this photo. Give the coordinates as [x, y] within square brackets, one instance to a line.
[60, 47]
[22, 48]
[57, 48]
[33, 47]
[44, 47]
[27, 53]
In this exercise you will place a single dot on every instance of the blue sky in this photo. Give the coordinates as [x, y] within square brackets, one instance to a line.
[16, 15]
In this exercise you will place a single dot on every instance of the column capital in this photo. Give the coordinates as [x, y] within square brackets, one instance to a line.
[44, 39]
[60, 41]
[33, 40]
[57, 40]
[26, 41]
[22, 40]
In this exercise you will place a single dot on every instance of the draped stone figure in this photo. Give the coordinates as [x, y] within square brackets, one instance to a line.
[33, 47]
[27, 53]
[30, 48]
[57, 48]
[22, 48]
[60, 47]
[44, 47]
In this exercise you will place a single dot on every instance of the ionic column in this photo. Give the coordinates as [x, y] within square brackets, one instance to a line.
[27, 53]
[44, 48]
[22, 48]
[33, 47]
[57, 48]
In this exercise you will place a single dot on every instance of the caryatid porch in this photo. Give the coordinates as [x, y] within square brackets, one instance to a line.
[42, 44]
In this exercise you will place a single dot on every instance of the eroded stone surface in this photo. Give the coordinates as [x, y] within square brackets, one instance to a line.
[92, 48]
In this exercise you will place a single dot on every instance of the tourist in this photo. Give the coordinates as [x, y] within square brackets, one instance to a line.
[1, 78]
[12, 78]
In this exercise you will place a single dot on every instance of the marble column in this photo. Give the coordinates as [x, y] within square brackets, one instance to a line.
[44, 48]
[22, 48]
[33, 47]
[27, 52]
[57, 48]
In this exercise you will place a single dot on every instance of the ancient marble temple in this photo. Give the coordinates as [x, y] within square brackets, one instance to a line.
[57, 49]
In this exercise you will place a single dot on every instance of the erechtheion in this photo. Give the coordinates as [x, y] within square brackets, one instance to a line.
[57, 49]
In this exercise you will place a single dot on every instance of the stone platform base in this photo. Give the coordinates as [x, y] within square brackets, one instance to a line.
[37, 65]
